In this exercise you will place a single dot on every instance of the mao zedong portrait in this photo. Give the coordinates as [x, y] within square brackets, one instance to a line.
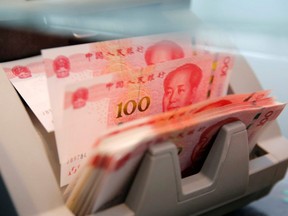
[162, 51]
[180, 86]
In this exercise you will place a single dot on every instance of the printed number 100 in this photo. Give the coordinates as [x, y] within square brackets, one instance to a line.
[130, 106]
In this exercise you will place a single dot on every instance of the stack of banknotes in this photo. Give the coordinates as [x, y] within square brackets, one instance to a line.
[107, 102]
[115, 156]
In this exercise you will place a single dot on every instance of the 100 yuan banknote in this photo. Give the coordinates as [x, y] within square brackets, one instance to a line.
[66, 65]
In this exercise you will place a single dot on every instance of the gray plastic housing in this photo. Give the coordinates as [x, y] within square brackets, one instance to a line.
[228, 180]
[226, 176]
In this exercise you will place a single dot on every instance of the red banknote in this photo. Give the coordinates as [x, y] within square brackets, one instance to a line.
[116, 154]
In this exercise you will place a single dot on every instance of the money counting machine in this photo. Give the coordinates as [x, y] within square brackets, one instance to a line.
[230, 178]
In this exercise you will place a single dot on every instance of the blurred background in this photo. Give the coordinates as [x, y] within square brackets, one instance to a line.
[259, 29]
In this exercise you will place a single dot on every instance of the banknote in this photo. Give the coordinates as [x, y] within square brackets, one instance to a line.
[29, 79]
[70, 64]
[90, 109]
[115, 156]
